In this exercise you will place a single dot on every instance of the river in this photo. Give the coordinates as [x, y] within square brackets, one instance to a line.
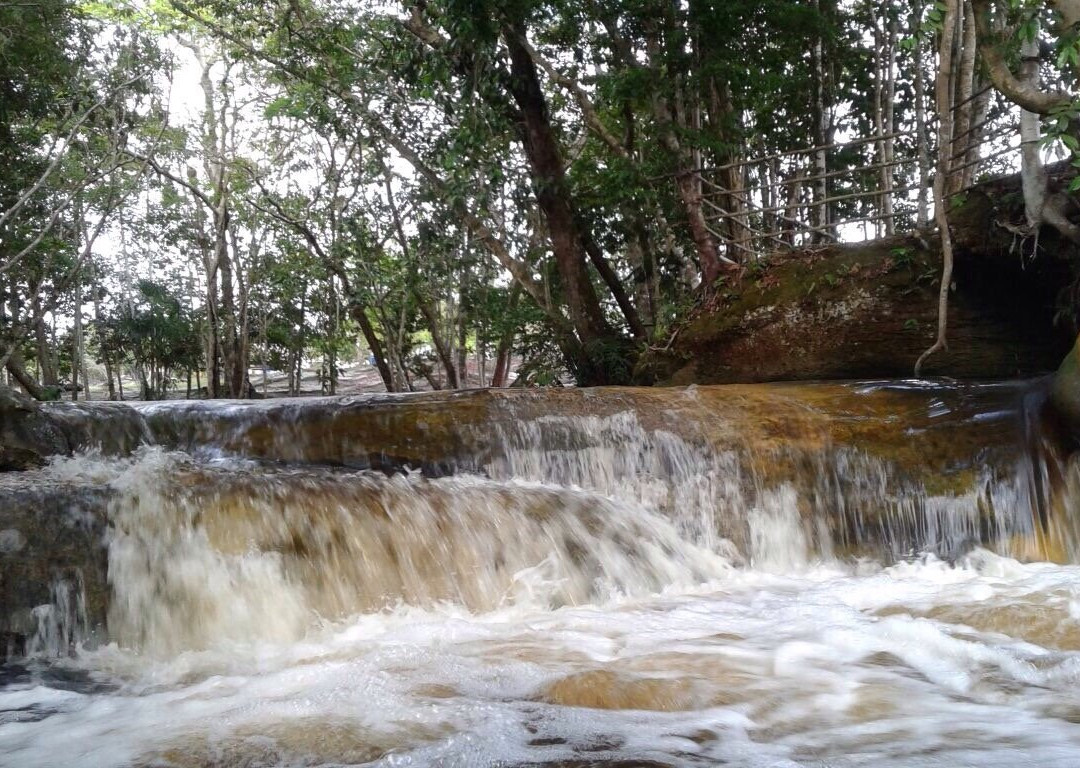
[566, 580]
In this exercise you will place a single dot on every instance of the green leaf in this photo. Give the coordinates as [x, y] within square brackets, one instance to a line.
[277, 106]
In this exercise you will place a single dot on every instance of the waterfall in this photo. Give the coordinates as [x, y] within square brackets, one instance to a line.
[776, 575]
[258, 529]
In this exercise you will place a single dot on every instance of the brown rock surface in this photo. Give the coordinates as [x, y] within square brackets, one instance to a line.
[27, 435]
[870, 309]
[52, 540]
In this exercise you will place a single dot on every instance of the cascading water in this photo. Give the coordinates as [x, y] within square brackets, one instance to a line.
[235, 554]
[772, 576]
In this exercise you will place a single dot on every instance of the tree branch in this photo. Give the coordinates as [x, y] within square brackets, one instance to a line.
[165, 173]
[25, 197]
[1003, 78]
[588, 109]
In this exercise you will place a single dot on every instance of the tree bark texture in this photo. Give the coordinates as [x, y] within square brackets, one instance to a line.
[552, 191]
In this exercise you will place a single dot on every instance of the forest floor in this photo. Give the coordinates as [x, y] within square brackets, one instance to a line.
[355, 378]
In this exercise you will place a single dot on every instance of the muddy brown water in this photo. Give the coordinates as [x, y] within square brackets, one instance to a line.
[881, 573]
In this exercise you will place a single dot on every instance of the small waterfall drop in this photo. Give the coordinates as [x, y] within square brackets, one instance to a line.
[240, 553]
[61, 623]
[602, 499]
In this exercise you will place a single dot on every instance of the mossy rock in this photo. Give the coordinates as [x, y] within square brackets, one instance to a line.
[1065, 394]
[50, 532]
[869, 310]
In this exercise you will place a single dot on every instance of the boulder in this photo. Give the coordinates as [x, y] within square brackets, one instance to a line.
[31, 432]
[28, 435]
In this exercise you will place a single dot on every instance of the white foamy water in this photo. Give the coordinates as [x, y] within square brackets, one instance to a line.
[906, 666]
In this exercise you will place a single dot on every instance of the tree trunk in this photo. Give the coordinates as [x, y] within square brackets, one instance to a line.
[501, 375]
[819, 214]
[733, 175]
[964, 76]
[357, 312]
[1032, 172]
[335, 324]
[243, 340]
[943, 94]
[265, 353]
[611, 280]
[792, 222]
[99, 324]
[890, 146]
[463, 337]
[77, 360]
[642, 261]
[46, 370]
[688, 183]
[213, 345]
[922, 151]
[885, 94]
[552, 191]
[17, 369]
[970, 161]
[443, 351]
[230, 338]
[505, 349]
[296, 373]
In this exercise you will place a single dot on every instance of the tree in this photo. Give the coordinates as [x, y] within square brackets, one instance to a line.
[157, 333]
[1010, 37]
[71, 90]
[461, 183]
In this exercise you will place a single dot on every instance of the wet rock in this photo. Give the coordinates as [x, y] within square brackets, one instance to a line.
[114, 429]
[874, 464]
[28, 436]
[31, 432]
[11, 541]
[869, 310]
[919, 428]
[53, 564]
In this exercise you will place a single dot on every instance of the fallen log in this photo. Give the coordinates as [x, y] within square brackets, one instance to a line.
[870, 309]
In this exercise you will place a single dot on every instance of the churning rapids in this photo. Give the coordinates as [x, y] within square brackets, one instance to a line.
[816, 575]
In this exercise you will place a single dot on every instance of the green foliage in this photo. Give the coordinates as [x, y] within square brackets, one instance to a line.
[72, 86]
[292, 175]
[157, 333]
[903, 256]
